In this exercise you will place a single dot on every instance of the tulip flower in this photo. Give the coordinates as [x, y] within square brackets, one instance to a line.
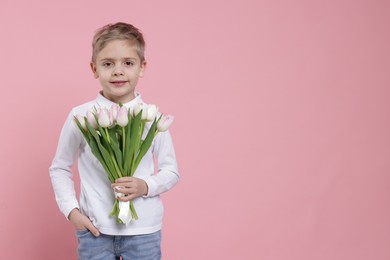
[81, 120]
[164, 123]
[91, 120]
[104, 118]
[152, 112]
[113, 112]
[144, 112]
[131, 111]
[97, 110]
[122, 119]
[138, 108]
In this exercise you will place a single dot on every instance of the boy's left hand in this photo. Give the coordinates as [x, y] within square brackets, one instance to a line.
[132, 187]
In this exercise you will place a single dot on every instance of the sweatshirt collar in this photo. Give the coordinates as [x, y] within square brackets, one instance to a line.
[104, 102]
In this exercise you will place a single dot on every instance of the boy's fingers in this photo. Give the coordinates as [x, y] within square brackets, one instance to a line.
[123, 179]
[118, 188]
[93, 229]
[127, 198]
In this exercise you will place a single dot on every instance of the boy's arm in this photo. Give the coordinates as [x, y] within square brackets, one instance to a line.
[167, 172]
[61, 169]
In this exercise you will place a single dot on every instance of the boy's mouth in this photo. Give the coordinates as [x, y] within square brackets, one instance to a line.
[118, 83]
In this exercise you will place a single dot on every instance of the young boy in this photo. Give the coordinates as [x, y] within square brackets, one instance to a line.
[118, 62]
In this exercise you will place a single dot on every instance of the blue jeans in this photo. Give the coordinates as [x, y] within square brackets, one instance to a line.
[105, 247]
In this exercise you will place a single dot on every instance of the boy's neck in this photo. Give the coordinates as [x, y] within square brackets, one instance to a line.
[123, 101]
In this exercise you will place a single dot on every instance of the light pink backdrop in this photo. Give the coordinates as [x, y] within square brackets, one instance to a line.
[282, 123]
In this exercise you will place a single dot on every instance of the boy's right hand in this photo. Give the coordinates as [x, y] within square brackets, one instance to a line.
[81, 222]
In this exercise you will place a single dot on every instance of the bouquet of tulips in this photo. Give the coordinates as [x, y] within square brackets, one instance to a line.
[115, 138]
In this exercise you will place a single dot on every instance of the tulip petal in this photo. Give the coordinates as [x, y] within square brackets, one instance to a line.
[152, 112]
[122, 118]
[164, 123]
[91, 119]
[104, 118]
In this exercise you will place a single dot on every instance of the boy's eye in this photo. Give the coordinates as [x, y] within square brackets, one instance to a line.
[129, 63]
[107, 64]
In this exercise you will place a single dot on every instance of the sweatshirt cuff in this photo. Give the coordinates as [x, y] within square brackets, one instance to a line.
[152, 187]
[68, 208]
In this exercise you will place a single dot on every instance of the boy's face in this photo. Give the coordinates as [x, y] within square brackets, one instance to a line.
[118, 68]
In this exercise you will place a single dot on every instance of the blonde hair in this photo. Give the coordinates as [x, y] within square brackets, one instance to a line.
[118, 31]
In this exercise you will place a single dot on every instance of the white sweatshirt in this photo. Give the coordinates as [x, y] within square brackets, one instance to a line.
[96, 195]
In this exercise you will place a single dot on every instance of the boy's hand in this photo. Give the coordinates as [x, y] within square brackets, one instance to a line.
[81, 222]
[132, 187]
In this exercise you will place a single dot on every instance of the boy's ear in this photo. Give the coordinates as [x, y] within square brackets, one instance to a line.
[143, 66]
[93, 68]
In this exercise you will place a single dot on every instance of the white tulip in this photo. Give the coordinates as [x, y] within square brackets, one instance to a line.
[122, 118]
[81, 120]
[164, 123]
[131, 111]
[141, 107]
[113, 112]
[152, 112]
[104, 118]
[92, 120]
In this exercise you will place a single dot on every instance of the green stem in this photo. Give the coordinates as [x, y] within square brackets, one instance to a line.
[116, 165]
[123, 139]
[115, 209]
[108, 136]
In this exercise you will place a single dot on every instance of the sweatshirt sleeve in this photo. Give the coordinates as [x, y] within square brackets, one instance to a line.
[167, 171]
[61, 168]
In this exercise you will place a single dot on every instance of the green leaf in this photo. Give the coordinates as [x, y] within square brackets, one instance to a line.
[95, 150]
[83, 131]
[127, 158]
[103, 137]
[134, 141]
[105, 154]
[89, 137]
[115, 147]
[147, 142]
[118, 132]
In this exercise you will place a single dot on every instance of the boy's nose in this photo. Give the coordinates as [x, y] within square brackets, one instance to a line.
[118, 72]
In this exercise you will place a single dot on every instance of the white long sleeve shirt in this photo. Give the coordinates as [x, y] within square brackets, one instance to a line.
[96, 195]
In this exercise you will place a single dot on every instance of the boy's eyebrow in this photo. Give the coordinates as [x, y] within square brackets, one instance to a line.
[130, 58]
[112, 59]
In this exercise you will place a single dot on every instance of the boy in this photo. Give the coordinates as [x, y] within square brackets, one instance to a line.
[118, 62]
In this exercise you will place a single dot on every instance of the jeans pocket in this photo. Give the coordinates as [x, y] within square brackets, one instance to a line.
[81, 232]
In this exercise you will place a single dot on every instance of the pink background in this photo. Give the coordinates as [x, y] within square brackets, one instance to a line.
[281, 132]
